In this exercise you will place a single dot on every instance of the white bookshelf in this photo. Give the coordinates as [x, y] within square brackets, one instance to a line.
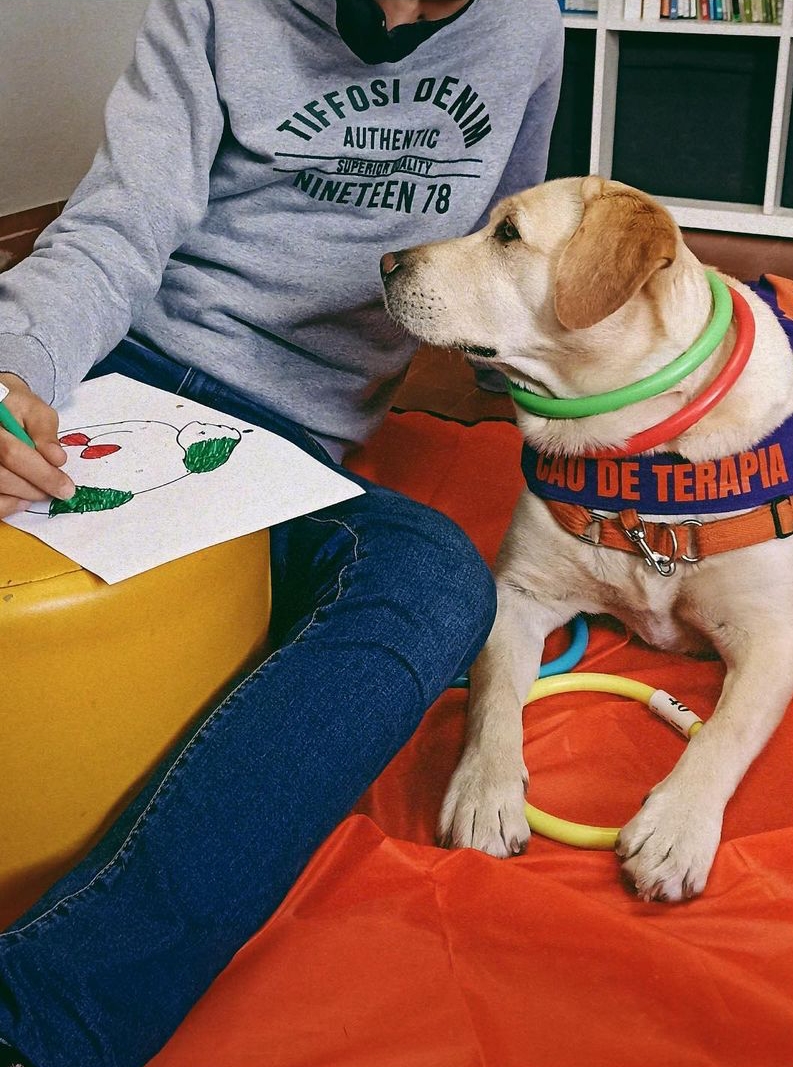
[608, 25]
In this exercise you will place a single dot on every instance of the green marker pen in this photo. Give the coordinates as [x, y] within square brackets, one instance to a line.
[8, 422]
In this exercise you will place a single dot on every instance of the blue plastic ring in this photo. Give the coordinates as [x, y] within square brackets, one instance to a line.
[570, 658]
[574, 654]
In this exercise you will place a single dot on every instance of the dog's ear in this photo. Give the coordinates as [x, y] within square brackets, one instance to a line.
[623, 239]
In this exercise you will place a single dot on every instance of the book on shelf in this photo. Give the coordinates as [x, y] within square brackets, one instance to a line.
[751, 11]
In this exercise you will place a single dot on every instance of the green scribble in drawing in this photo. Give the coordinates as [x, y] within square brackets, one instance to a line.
[203, 456]
[86, 498]
[164, 456]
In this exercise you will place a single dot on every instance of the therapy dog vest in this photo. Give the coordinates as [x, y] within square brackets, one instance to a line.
[580, 490]
[665, 483]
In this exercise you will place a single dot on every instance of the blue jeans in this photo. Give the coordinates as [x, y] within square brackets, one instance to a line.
[378, 603]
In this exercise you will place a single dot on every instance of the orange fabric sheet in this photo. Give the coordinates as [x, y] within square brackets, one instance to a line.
[784, 293]
[391, 952]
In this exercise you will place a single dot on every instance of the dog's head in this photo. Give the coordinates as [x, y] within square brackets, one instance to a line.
[564, 289]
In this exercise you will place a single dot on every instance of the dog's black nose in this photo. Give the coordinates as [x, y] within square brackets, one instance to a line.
[388, 264]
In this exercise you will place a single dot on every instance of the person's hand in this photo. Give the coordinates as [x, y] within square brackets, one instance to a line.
[28, 474]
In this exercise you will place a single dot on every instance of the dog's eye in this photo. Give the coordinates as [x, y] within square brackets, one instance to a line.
[507, 231]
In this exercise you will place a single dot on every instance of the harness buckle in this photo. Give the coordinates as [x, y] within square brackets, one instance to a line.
[596, 520]
[774, 505]
[637, 534]
[684, 555]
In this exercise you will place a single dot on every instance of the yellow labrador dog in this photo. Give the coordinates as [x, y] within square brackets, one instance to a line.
[577, 287]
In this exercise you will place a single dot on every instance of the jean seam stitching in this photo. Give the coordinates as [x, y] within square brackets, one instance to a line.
[183, 383]
[210, 721]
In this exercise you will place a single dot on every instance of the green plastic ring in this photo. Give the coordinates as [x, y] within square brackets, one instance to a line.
[579, 407]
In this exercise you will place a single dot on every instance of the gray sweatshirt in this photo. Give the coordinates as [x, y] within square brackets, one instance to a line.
[253, 172]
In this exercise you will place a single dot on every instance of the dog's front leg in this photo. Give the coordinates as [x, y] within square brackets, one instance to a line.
[484, 806]
[668, 848]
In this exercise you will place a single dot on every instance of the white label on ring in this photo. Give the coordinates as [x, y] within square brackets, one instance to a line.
[669, 709]
[3, 392]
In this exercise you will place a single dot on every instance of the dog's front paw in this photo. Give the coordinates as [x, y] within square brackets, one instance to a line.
[668, 847]
[484, 808]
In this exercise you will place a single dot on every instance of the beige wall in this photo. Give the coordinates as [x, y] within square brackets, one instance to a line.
[58, 61]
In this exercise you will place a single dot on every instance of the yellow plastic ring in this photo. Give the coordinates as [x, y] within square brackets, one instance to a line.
[581, 835]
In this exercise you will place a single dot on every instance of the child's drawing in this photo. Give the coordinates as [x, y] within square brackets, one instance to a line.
[114, 462]
[128, 440]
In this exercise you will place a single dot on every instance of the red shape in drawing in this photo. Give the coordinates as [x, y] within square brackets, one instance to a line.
[74, 439]
[98, 451]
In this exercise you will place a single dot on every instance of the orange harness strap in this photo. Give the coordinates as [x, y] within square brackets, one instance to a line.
[664, 543]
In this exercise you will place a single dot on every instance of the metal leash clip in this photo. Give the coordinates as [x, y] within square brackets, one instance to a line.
[665, 565]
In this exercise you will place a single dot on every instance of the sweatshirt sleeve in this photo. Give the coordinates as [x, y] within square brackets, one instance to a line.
[72, 300]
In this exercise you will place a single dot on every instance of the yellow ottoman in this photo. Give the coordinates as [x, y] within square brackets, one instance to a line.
[97, 681]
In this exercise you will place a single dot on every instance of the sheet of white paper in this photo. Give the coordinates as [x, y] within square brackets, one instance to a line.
[170, 477]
